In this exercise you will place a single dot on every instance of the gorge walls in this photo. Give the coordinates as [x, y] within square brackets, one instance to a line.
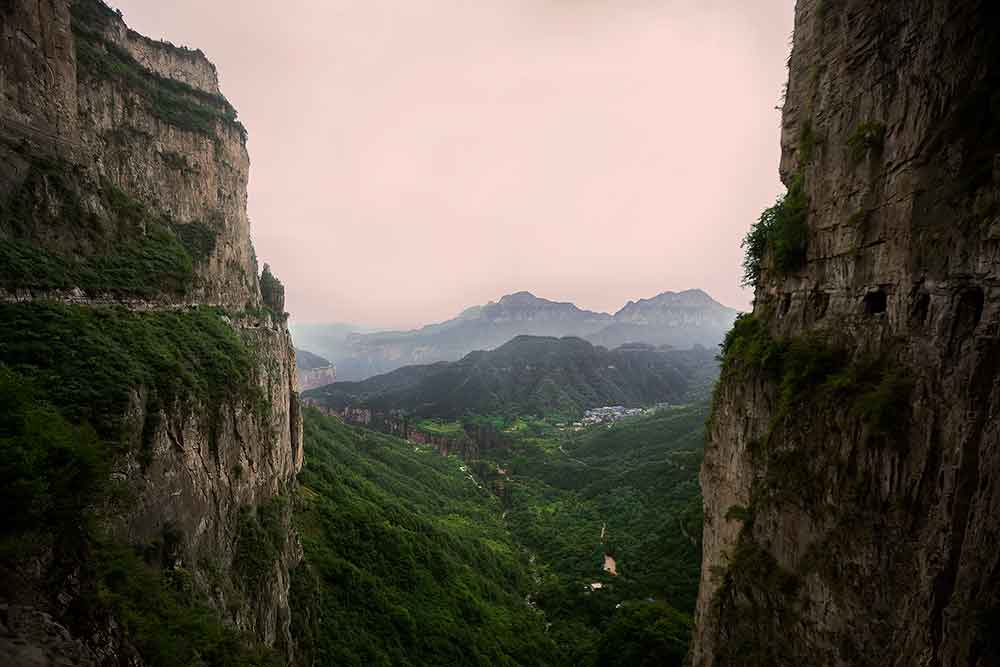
[852, 473]
[126, 251]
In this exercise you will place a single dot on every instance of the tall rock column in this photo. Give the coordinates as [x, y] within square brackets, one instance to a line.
[852, 472]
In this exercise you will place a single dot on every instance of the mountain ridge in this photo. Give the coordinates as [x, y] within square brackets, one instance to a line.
[679, 319]
[530, 375]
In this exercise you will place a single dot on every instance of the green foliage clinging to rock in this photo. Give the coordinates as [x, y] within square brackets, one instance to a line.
[171, 101]
[779, 238]
[110, 243]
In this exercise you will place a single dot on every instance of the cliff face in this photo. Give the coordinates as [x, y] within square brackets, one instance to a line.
[123, 193]
[852, 478]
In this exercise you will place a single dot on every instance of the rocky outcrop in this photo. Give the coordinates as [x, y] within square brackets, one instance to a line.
[124, 186]
[73, 90]
[317, 377]
[851, 477]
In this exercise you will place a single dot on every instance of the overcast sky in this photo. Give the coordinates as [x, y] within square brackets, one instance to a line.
[414, 157]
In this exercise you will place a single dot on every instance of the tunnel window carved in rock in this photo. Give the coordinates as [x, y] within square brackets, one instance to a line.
[921, 307]
[876, 302]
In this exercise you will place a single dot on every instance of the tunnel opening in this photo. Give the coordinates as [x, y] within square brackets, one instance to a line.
[876, 302]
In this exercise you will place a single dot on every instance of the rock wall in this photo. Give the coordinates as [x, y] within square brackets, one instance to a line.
[311, 378]
[839, 531]
[146, 119]
[79, 85]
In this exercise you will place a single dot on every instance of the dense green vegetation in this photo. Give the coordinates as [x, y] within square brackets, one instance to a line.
[639, 480]
[388, 526]
[89, 360]
[119, 247]
[171, 101]
[780, 235]
[55, 488]
[553, 377]
[408, 559]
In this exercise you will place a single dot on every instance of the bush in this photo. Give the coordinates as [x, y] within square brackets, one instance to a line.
[780, 234]
[645, 633]
[50, 469]
[867, 136]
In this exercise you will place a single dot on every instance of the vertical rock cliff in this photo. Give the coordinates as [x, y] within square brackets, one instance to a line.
[852, 474]
[125, 253]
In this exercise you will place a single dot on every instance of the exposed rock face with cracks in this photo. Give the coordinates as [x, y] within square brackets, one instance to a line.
[124, 186]
[852, 474]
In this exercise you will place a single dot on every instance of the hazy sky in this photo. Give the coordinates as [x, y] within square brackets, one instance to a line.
[414, 157]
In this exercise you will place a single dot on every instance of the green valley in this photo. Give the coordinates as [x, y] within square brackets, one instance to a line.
[417, 558]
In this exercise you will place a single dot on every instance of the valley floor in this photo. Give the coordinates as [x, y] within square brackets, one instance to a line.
[554, 548]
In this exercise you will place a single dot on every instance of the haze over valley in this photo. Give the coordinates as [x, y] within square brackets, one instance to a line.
[301, 410]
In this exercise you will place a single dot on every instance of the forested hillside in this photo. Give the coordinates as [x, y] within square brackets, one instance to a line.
[558, 377]
[407, 559]
[412, 557]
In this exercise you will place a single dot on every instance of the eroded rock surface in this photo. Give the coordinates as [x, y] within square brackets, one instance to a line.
[852, 507]
[105, 134]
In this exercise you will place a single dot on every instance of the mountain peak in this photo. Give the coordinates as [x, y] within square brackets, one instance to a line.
[519, 298]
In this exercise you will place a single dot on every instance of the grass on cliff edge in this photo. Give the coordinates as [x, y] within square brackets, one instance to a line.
[66, 376]
[87, 362]
[807, 367]
[169, 100]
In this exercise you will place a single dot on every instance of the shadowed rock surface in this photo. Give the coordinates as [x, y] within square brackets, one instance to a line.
[125, 252]
[851, 479]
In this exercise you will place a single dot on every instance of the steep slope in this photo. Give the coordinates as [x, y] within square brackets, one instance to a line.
[133, 317]
[680, 320]
[307, 361]
[851, 479]
[407, 559]
[528, 375]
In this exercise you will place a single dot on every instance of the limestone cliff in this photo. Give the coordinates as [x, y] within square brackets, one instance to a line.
[123, 193]
[852, 478]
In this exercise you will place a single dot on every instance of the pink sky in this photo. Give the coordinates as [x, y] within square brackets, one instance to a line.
[414, 157]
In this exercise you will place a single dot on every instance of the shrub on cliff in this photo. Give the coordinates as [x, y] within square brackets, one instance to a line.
[780, 234]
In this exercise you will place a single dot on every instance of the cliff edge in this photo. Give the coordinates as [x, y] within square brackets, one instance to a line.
[131, 313]
[852, 479]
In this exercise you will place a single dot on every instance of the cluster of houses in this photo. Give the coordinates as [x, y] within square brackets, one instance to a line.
[610, 414]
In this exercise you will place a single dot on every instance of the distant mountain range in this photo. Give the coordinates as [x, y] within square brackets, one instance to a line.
[678, 319]
[531, 375]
